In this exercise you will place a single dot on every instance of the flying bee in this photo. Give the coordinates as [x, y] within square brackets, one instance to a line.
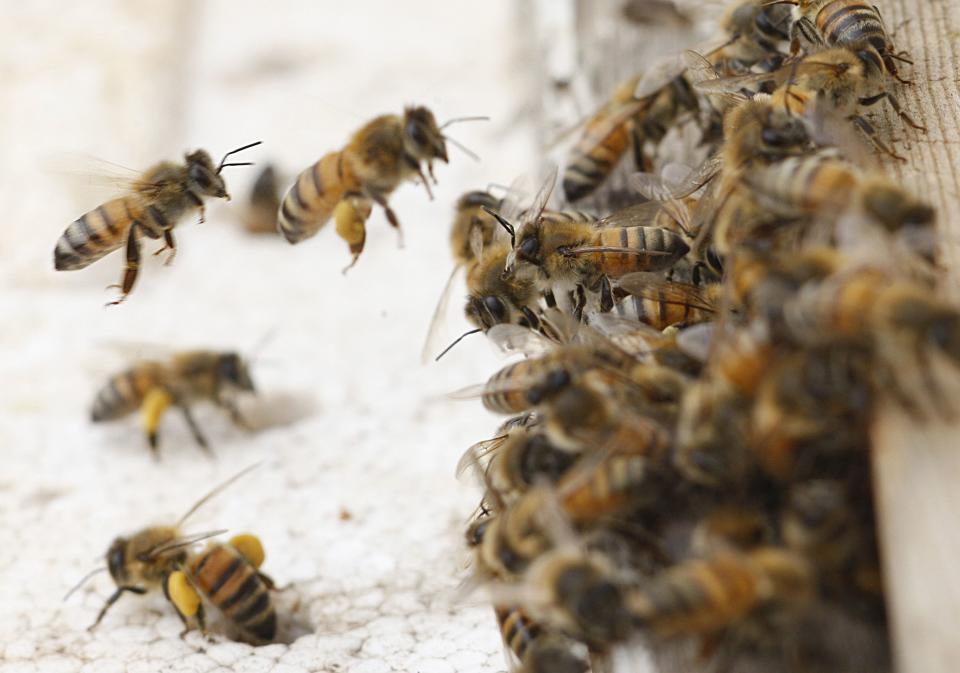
[188, 377]
[537, 650]
[228, 576]
[590, 254]
[156, 201]
[260, 217]
[144, 561]
[847, 23]
[387, 151]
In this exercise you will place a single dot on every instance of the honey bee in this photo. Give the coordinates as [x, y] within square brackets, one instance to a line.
[847, 23]
[144, 561]
[260, 216]
[228, 576]
[157, 200]
[701, 597]
[517, 459]
[537, 650]
[387, 151]
[756, 30]
[188, 377]
[661, 304]
[642, 108]
[591, 254]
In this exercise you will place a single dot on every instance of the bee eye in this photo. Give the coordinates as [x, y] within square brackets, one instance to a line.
[529, 247]
[496, 308]
[416, 132]
[199, 175]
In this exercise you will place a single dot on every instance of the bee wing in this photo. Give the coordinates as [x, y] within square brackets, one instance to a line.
[639, 215]
[592, 249]
[652, 286]
[471, 457]
[828, 128]
[542, 198]
[478, 390]
[178, 543]
[431, 344]
[655, 12]
[697, 340]
[621, 330]
[510, 339]
[659, 75]
[676, 181]
[699, 69]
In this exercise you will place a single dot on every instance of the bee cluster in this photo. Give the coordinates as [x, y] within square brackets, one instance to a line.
[687, 458]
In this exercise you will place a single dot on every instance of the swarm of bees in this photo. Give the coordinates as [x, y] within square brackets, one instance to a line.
[686, 460]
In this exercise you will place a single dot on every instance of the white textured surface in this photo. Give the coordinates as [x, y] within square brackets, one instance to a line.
[135, 82]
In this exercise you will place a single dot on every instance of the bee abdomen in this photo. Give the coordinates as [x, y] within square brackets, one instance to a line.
[308, 204]
[92, 235]
[665, 247]
[517, 630]
[846, 22]
[121, 396]
[234, 586]
[594, 158]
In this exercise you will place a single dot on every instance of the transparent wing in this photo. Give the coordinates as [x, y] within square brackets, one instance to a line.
[640, 215]
[511, 339]
[656, 288]
[471, 457]
[697, 340]
[659, 75]
[431, 344]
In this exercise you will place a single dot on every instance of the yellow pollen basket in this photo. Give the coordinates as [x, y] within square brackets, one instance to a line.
[249, 547]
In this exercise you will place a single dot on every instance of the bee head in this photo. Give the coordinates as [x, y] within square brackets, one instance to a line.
[234, 370]
[203, 177]
[422, 138]
[116, 561]
[485, 311]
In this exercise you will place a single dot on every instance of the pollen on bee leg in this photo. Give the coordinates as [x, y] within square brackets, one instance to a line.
[351, 215]
[249, 547]
[182, 594]
[156, 402]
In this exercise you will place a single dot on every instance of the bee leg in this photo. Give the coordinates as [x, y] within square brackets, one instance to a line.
[895, 104]
[426, 183]
[606, 295]
[235, 414]
[133, 265]
[268, 581]
[550, 298]
[113, 599]
[867, 129]
[168, 244]
[381, 201]
[195, 429]
[203, 212]
[155, 404]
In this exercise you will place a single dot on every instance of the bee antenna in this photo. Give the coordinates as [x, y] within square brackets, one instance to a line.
[505, 223]
[461, 147]
[263, 342]
[83, 581]
[457, 120]
[458, 340]
[216, 491]
[223, 163]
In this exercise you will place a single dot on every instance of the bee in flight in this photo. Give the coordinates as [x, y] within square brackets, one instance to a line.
[155, 386]
[345, 183]
[156, 201]
[227, 575]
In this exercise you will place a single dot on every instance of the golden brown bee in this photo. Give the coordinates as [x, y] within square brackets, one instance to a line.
[228, 576]
[852, 24]
[260, 217]
[704, 596]
[143, 562]
[517, 459]
[387, 151]
[473, 229]
[537, 650]
[157, 200]
[625, 116]
[188, 377]
[756, 30]
[496, 299]
[660, 303]
[590, 254]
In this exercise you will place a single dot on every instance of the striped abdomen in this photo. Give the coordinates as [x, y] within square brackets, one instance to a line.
[665, 248]
[607, 489]
[804, 184]
[507, 389]
[661, 310]
[309, 203]
[231, 583]
[124, 392]
[851, 23]
[518, 631]
[95, 234]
